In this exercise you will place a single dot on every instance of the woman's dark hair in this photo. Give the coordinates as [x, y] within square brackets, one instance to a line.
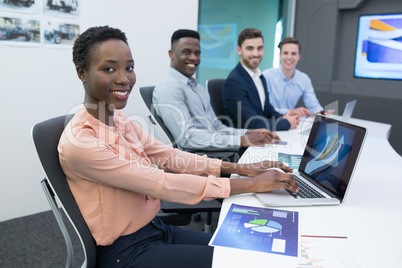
[88, 40]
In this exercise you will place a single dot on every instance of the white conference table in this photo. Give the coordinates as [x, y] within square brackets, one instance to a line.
[370, 217]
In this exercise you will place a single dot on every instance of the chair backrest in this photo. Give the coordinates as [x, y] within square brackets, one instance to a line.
[146, 94]
[214, 87]
[46, 137]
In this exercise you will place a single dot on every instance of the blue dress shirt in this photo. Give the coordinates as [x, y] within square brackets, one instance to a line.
[284, 94]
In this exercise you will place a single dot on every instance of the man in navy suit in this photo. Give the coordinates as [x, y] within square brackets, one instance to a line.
[245, 94]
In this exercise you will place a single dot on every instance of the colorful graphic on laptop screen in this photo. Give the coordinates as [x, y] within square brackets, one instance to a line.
[328, 155]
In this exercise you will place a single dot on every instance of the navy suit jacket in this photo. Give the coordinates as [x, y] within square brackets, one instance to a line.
[242, 103]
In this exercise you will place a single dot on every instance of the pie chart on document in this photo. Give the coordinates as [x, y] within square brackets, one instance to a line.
[264, 226]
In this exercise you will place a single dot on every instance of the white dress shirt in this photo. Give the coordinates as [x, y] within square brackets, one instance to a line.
[258, 83]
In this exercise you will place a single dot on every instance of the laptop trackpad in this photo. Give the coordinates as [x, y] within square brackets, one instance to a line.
[281, 197]
[280, 192]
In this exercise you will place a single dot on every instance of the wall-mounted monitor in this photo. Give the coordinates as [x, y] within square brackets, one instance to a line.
[379, 47]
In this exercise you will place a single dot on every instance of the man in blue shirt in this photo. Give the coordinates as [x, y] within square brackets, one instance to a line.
[286, 85]
[245, 96]
[184, 105]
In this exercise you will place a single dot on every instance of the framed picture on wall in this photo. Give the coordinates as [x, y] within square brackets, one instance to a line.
[61, 8]
[218, 43]
[60, 33]
[19, 31]
[21, 6]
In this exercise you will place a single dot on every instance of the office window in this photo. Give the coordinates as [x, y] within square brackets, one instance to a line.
[278, 37]
[219, 24]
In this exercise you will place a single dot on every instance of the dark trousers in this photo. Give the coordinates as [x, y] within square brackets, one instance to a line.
[158, 245]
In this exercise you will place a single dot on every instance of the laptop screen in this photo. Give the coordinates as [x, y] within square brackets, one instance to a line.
[331, 154]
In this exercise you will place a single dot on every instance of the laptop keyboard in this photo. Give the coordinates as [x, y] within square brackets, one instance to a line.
[305, 191]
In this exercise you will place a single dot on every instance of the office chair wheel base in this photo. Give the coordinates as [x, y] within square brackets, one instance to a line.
[197, 216]
[208, 228]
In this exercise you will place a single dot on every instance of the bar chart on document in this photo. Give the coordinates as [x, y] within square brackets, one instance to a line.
[326, 252]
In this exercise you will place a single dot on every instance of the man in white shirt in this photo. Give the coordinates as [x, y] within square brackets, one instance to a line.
[245, 95]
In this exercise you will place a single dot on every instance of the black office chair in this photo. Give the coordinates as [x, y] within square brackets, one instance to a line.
[146, 94]
[154, 118]
[210, 206]
[214, 87]
[46, 137]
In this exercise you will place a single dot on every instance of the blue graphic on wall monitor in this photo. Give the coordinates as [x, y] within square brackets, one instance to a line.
[379, 47]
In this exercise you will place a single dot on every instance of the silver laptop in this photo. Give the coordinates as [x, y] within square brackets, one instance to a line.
[347, 114]
[327, 165]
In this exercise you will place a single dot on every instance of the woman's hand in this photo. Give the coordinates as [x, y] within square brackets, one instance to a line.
[265, 182]
[252, 169]
[258, 168]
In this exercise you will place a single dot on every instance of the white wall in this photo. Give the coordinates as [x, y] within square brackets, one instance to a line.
[40, 83]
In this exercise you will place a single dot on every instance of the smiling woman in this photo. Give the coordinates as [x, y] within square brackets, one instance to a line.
[118, 173]
[110, 77]
[108, 161]
[107, 75]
